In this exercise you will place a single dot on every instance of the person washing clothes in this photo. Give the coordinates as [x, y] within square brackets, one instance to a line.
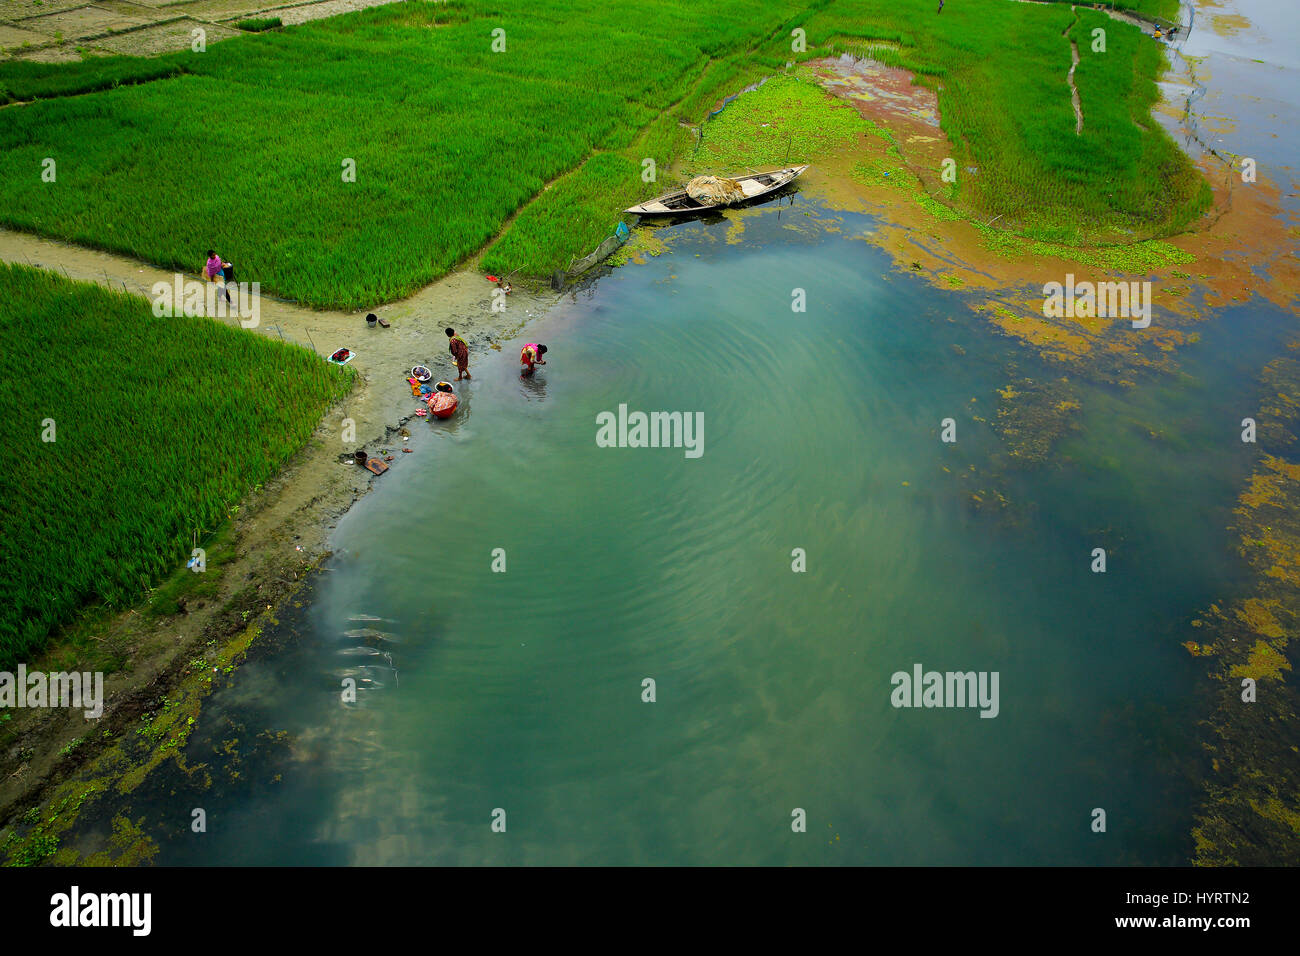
[460, 352]
[530, 356]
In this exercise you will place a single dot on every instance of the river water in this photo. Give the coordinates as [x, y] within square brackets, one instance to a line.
[522, 690]
[518, 695]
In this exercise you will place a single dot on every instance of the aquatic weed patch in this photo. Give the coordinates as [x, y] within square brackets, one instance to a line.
[578, 205]
[785, 121]
[1135, 257]
[1250, 811]
[141, 434]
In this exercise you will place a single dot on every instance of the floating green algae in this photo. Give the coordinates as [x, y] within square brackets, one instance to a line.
[1250, 811]
[1134, 258]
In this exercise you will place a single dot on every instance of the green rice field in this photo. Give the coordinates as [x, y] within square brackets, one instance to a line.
[526, 155]
[158, 425]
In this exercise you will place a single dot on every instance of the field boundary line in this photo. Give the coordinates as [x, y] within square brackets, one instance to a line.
[1069, 77]
[252, 14]
[115, 33]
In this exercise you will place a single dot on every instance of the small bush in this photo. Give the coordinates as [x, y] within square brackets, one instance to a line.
[258, 24]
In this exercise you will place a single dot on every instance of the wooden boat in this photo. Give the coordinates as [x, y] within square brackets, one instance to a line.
[754, 185]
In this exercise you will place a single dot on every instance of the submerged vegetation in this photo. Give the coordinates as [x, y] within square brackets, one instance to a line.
[378, 150]
[1251, 812]
[146, 431]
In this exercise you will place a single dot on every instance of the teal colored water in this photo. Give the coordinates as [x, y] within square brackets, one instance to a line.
[522, 691]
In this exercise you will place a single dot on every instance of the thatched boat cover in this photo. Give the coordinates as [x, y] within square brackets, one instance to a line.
[714, 190]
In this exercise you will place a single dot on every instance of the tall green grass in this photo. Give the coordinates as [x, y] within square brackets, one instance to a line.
[1149, 178]
[160, 425]
[583, 204]
[244, 151]
[22, 80]
[258, 24]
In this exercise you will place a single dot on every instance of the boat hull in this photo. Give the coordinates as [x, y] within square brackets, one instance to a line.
[755, 186]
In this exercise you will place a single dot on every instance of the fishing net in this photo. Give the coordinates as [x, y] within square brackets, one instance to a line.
[610, 243]
[714, 190]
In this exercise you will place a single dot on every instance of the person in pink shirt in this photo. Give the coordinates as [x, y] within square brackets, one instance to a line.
[530, 356]
[216, 271]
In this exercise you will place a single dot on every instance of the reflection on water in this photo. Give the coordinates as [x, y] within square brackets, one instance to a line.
[533, 385]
